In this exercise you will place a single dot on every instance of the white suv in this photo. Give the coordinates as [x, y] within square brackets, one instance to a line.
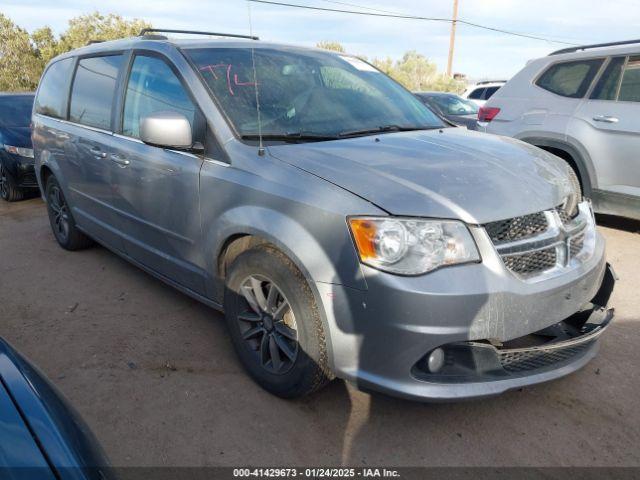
[582, 104]
[482, 91]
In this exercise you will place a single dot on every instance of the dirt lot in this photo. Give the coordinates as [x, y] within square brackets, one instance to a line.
[154, 375]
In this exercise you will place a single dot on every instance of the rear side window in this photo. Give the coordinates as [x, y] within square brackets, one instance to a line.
[93, 91]
[153, 87]
[477, 93]
[570, 79]
[490, 91]
[630, 86]
[54, 85]
[607, 86]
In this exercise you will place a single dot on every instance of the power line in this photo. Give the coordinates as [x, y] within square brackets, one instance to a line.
[363, 7]
[412, 17]
[360, 6]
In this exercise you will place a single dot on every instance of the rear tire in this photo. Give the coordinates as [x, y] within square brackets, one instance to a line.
[62, 223]
[277, 334]
[9, 190]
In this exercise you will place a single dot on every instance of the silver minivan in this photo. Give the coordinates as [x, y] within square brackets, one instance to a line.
[343, 229]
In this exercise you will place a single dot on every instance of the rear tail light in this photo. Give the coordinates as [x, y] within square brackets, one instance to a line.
[486, 114]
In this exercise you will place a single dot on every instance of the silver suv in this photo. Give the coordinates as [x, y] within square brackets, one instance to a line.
[341, 226]
[582, 104]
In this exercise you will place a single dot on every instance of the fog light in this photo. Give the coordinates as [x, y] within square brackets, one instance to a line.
[435, 360]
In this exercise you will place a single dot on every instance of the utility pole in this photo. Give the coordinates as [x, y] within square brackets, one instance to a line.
[452, 39]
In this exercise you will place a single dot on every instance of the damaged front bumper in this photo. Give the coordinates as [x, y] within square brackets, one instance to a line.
[569, 343]
[497, 333]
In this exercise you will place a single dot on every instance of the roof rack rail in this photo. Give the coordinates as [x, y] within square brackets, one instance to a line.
[91, 42]
[595, 45]
[144, 31]
[484, 82]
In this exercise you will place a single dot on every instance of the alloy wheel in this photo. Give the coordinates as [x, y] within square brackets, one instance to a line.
[267, 324]
[59, 212]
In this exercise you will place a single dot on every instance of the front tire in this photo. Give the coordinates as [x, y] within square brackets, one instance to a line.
[62, 223]
[274, 323]
[9, 190]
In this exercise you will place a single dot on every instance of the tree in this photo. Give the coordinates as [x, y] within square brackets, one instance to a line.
[20, 67]
[23, 56]
[95, 26]
[417, 73]
[333, 46]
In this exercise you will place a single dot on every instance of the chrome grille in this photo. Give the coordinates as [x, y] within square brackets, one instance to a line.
[536, 245]
[517, 228]
[576, 245]
[565, 218]
[531, 262]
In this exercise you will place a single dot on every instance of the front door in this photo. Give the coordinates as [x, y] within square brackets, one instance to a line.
[157, 189]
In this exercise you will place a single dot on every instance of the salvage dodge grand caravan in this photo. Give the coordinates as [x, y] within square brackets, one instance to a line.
[344, 230]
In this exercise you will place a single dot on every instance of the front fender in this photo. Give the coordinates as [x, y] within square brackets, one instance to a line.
[329, 261]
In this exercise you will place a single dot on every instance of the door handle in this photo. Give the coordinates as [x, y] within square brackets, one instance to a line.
[121, 161]
[97, 152]
[605, 119]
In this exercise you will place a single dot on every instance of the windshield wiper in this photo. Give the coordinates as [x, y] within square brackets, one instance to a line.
[291, 136]
[383, 129]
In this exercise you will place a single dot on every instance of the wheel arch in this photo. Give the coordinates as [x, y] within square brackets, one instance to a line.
[245, 227]
[574, 155]
[46, 166]
[240, 242]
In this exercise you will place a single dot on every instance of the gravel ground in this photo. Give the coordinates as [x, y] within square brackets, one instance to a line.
[154, 375]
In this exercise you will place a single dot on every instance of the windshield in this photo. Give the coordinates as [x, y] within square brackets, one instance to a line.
[307, 93]
[15, 110]
[454, 105]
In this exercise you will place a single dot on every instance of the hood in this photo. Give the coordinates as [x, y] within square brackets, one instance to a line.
[16, 136]
[448, 173]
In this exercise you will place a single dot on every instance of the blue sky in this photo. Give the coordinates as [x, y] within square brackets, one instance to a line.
[480, 54]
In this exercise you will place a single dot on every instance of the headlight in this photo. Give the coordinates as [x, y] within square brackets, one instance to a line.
[410, 246]
[572, 193]
[23, 152]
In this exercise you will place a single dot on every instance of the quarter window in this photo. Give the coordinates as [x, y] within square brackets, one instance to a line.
[490, 91]
[570, 79]
[153, 87]
[477, 93]
[607, 86]
[630, 86]
[54, 88]
[93, 90]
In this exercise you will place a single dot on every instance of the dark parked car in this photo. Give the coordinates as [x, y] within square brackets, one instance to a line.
[452, 107]
[16, 152]
[41, 436]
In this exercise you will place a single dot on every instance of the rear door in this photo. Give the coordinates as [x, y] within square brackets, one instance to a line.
[608, 126]
[158, 188]
[88, 170]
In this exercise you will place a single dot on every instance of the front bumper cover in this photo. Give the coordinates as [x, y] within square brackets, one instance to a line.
[384, 355]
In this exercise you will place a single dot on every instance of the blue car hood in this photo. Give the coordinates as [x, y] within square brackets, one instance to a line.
[448, 173]
[16, 136]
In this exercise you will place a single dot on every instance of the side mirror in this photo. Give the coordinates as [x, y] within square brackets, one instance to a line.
[166, 129]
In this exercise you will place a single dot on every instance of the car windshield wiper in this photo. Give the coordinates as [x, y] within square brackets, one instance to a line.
[384, 129]
[291, 136]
